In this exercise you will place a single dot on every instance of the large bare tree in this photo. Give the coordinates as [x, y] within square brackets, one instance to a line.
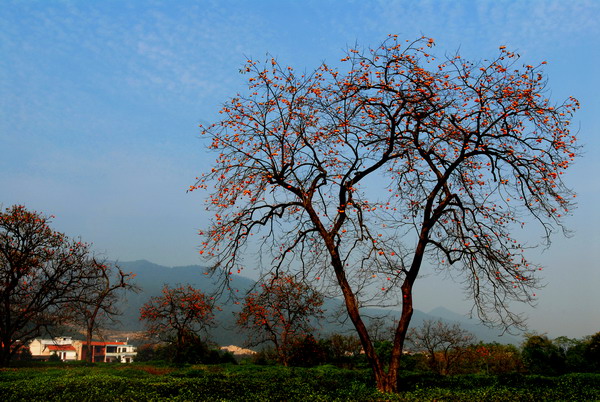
[96, 299]
[358, 176]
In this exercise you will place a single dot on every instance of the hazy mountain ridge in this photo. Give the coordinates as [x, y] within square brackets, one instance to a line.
[151, 277]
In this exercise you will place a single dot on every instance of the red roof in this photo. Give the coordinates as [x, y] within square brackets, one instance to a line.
[62, 347]
[98, 343]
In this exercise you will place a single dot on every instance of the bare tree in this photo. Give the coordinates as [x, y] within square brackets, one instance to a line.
[343, 346]
[444, 343]
[99, 293]
[357, 177]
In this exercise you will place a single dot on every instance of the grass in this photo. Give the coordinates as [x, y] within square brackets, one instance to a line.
[150, 382]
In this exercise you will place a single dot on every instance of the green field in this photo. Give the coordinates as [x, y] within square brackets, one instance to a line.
[246, 382]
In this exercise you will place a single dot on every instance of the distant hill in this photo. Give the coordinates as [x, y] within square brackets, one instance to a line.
[473, 325]
[150, 278]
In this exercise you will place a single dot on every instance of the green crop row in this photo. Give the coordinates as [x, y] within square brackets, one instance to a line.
[256, 383]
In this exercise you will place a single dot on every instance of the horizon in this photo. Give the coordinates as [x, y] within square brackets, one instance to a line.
[101, 103]
[433, 311]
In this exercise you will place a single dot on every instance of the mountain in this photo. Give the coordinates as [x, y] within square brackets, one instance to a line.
[447, 315]
[151, 277]
[473, 325]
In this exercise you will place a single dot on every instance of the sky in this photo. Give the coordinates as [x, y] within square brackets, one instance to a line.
[100, 103]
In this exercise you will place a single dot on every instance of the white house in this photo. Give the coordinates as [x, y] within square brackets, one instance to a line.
[62, 347]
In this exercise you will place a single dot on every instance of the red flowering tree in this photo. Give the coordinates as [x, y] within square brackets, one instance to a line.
[492, 358]
[280, 313]
[358, 176]
[178, 316]
[41, 274]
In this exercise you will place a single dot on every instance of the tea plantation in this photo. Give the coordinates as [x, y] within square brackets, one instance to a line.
[248, 382]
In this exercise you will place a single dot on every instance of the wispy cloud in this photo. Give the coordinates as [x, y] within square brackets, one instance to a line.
[99, 101]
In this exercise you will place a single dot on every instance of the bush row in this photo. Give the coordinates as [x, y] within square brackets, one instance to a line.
[249, 382]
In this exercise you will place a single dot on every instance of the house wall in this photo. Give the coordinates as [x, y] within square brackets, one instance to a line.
[67, 355]
[37, 348]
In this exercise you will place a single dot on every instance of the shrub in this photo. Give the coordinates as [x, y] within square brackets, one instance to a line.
[306, 352]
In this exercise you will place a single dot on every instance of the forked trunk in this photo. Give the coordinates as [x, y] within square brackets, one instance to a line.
[387, 382]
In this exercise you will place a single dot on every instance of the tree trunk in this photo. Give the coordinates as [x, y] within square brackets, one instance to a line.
[386, 382]
[88, 346]
[179, 345]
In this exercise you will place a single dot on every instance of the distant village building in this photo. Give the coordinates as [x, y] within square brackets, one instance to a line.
[68, 349]
[107, 351]
[42, 349]
[237, 351]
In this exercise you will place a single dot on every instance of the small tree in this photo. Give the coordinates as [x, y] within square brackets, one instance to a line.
[306, 352]
[97, 303]
[572, 351]
[343, 347]
[542, 356]
[359, 176]
[41, 273]
[444, 343]
[178, 316]
[491, 358]
[592, 352]
[280, 313]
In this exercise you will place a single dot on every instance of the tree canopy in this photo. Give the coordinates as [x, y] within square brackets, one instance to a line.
[357, 176]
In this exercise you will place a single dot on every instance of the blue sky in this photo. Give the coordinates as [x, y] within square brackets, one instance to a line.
[100, 103]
